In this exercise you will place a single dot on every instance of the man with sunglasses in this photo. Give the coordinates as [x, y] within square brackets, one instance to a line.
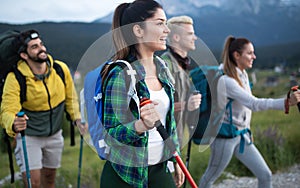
[48, 96]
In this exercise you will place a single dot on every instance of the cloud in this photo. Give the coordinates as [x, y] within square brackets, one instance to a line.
[20, 11]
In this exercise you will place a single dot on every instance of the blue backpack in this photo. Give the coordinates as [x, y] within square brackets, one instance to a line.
[93, 100]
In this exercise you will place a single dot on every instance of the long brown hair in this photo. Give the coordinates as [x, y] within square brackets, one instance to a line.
[125, 15]
[232, 45]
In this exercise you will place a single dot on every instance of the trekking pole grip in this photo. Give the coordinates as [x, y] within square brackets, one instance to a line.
[21, 114]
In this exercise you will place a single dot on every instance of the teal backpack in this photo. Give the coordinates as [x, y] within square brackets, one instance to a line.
[210, 125]
[229, 130]
[205, 79]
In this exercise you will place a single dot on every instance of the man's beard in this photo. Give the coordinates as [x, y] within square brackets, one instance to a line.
[37, 59]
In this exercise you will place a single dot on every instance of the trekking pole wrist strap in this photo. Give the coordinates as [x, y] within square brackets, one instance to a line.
[13, 128]
[286, 103]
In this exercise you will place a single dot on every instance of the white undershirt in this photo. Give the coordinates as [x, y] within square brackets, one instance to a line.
[155, 141]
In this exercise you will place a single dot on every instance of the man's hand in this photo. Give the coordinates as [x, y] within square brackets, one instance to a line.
[20, 123]
[179, 106]
[194, 102]
[83, 127]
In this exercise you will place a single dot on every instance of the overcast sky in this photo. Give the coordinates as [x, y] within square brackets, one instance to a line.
[27, 11]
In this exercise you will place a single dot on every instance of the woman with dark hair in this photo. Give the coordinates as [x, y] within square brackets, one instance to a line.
[140, 157]
[238, 55]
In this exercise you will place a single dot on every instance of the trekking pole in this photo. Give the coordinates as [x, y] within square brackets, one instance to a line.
[79, 162]
[163, 133]
[188, 154]
[21, 114]
[188, 158]
[82, 103]
[72, 134]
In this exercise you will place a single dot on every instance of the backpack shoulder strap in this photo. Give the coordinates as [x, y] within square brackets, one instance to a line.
[22, 80]
[22, 83]
[229, 106]
[130, 80]
[131, 72]
[59, 71]
[132, 93]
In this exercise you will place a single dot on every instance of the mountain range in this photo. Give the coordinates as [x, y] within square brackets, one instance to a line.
[272, 25]
[265, 22]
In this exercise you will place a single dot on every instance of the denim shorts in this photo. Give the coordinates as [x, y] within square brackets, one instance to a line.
[41, 151]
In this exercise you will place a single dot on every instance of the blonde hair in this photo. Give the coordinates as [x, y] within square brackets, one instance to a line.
[180, 20]
[174, 23]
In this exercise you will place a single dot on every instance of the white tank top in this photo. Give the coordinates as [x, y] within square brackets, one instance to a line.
[155, 142]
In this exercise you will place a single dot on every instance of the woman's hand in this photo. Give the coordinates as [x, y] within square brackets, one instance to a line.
[294, 98]
[149, 116]
[178, 176]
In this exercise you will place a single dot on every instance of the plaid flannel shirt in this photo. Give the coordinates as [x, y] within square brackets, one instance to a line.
[128, 150]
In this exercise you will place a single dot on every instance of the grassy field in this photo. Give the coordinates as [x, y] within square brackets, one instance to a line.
[275, 134]
[67, 175]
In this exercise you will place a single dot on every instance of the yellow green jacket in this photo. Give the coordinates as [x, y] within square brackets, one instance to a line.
[46, 100]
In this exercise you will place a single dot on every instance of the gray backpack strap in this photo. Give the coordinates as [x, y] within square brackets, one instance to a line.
[132, 93]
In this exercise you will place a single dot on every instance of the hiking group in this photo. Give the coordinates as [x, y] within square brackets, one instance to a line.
[141, 104]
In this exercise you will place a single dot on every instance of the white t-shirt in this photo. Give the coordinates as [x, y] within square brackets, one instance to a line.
[155, 141]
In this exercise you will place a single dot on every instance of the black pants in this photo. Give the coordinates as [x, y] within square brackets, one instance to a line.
[158, 176]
